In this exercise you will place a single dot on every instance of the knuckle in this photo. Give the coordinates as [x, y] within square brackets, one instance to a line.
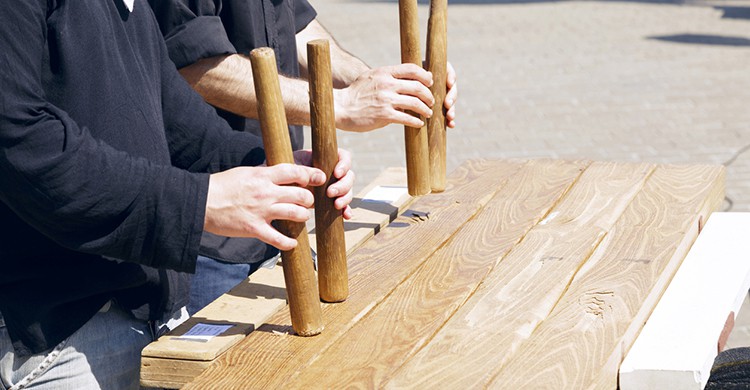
[277, 241]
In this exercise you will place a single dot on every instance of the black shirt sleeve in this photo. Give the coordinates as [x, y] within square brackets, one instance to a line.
[192, 29]
[88, 196]
[200, 140]
[76, 189]
[304, 13]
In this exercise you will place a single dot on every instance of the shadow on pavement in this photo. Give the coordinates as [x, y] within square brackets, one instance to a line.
[733, 12]
[702, 39]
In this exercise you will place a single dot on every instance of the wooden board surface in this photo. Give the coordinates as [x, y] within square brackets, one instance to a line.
[709, 287]
[172, 360]
[523, 274]
[406, 320]
[170, 373]
[263, 358]
[515, 300]
[374, 207]
[583, 340]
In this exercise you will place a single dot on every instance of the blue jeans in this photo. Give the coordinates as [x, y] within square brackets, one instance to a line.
[731, 370]
[103, 354]
[213, 278]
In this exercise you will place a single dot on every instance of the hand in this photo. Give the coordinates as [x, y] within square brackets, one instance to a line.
[451, 97]
[243, 201]
[381, 96]
[341, 190]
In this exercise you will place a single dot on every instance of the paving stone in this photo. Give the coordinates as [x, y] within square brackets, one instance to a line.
[629, 81]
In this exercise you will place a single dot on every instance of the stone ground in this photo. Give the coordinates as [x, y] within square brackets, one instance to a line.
[659, 81]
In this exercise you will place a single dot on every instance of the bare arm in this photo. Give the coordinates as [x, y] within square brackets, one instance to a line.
[227, 82]
[345, 67]
[365, 99]
[369, 98]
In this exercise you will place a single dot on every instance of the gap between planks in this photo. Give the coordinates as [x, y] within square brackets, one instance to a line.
[169, 358]
[263, 361]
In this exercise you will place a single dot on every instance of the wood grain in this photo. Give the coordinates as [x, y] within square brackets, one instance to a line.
[333, 278]
[246, 307]
[477, 287]
[299, 274]
[437, 63]
[170, 362]
[525, 287]
[408, 317]
[371, 216]
[603, 309]
[270, 358]
[170, 373]
[416, 140]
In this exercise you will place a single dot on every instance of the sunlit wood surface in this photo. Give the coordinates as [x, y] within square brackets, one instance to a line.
[522, 274]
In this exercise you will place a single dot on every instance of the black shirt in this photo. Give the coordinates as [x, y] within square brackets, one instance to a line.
[195, 29]
[104, 150]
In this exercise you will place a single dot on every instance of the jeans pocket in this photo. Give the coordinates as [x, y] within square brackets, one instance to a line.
[28, 369]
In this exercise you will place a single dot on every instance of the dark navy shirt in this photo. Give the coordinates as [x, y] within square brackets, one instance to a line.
[104, 159]
[195, 29]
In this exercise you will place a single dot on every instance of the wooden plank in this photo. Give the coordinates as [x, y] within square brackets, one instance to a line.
[375, 206]
[269, 357]
[170, 373]
[711, 284]
[524, 288]
[250, 303]
[581, 343]
[406, 319]
[245, 307]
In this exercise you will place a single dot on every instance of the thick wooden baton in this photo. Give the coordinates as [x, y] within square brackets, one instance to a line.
[437, 62]
[333, 278]
[417, 147]
[299, 274]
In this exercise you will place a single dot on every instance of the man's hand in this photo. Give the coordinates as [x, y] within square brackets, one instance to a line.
[381, 96]
[451, 97]
[341, 190]
[243, 201]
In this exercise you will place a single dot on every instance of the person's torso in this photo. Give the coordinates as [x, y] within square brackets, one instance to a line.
[102, 66]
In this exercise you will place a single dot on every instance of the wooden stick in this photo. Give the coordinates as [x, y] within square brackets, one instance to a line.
[333, 278]
[299, 275]
[437, 62]
[417, 147]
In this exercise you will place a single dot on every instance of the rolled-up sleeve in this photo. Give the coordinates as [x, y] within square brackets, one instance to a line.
[304, 13]
[192, 30]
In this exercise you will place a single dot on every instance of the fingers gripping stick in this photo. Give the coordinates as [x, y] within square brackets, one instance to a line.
[299, 275]
[417, 151]
[329, 223]
[437, 63]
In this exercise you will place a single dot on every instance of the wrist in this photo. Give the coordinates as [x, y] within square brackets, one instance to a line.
[339, 109]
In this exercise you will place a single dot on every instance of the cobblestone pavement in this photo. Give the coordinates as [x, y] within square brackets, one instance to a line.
[659, 81]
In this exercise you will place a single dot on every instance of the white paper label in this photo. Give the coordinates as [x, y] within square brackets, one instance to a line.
[203, 332]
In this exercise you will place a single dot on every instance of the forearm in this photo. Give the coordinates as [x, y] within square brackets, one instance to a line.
[227, 82]
[345, 67]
